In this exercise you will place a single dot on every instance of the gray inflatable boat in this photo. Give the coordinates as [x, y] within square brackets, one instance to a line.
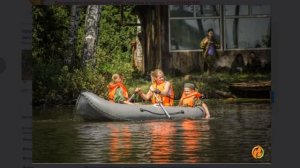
[94, 108]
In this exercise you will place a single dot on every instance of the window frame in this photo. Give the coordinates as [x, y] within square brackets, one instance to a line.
[222, 18]
[194, 17]
[250, 15]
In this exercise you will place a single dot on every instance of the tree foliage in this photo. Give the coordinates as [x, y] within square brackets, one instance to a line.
[55, 81]
[114, 44]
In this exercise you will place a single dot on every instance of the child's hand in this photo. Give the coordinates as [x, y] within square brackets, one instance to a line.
[156, 91]
[137, 90]
[127, 102]
[207, 116]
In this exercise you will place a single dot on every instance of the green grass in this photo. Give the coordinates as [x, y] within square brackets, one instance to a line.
[205, 83]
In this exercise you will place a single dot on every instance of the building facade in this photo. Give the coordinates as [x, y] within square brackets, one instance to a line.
[170, 36]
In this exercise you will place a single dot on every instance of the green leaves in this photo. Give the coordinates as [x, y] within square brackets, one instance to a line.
[113, 51]
[56, 82]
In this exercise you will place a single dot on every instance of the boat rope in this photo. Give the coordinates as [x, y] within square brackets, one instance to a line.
[174, 113]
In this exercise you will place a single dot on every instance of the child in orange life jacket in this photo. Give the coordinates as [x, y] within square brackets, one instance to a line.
[117, 92]
[160, 89]
[192, 98]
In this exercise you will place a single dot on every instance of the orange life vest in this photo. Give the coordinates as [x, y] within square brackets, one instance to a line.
[188, 100]
[166, 100]
[112, 87]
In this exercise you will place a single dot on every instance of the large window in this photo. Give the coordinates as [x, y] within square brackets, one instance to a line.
[189, 24]
[247, 27]
[235, 26]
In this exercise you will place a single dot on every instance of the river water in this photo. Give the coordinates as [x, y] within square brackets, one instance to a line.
[228, 137]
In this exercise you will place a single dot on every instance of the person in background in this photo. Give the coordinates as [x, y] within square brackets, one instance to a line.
[253, 63]
[160, 89]
[191, 98]
[209, 45]
[238, 64]
[117, 92]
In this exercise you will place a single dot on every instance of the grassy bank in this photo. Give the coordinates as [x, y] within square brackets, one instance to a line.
[206, 83]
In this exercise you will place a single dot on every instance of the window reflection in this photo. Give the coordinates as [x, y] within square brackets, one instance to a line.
[181, 10]
[243, 33]
[261, 9]
[244, 26]
[207, 10]
[236, 10]
[187, 33]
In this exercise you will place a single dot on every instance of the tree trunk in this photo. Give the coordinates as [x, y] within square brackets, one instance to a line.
[70, 60]
[91, 32]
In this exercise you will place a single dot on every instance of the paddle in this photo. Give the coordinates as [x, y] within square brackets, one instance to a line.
[161, 105]
[132, 96]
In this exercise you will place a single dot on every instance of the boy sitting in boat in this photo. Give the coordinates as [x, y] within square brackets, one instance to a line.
[117, 92]
[160, 90]
[191, 98]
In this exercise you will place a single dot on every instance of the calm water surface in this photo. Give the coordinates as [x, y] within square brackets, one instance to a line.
[228, 137]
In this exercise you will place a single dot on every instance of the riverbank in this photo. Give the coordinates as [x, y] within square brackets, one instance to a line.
[216, 85]
[213, 86]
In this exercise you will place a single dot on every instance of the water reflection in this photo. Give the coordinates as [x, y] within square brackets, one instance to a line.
[162, 141]
[190, 139]
[155, 142]
[120, 143]
[228, 136]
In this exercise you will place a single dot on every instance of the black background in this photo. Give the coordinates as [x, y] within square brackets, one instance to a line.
[15, 94]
